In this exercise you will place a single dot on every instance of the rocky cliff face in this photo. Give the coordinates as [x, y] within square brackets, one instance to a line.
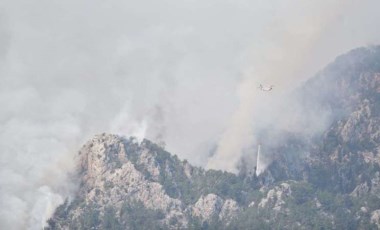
[110, 178]
[331, 181]
[116, 172]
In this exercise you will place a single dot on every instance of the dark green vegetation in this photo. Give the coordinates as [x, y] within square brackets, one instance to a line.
[333, 178]
[202, 182]
[132, 214]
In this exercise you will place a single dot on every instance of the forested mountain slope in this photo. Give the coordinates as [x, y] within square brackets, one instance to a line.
[329, 181]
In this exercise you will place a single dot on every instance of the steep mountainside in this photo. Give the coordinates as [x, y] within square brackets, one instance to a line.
[331, 181]
[124, 183]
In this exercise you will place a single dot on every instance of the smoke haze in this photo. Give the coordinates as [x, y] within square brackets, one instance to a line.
[180, 72]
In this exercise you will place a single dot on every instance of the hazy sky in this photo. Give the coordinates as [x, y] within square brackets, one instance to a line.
[182, 71]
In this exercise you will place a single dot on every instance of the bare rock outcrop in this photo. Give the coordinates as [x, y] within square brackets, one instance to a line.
[115, 171]
[276, 197]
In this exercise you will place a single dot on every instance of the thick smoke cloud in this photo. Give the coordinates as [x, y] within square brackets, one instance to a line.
[180, 72]
[278, 59]
[285, 54]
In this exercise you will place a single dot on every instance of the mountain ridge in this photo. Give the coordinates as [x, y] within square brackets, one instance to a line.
[331, 181]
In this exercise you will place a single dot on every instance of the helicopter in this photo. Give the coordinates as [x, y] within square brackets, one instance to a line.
[265, 87]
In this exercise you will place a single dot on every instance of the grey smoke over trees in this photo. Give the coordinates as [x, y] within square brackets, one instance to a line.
[181, 72]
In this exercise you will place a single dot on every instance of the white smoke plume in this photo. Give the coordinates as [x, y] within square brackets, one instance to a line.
[181, 72]
[281, 59]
